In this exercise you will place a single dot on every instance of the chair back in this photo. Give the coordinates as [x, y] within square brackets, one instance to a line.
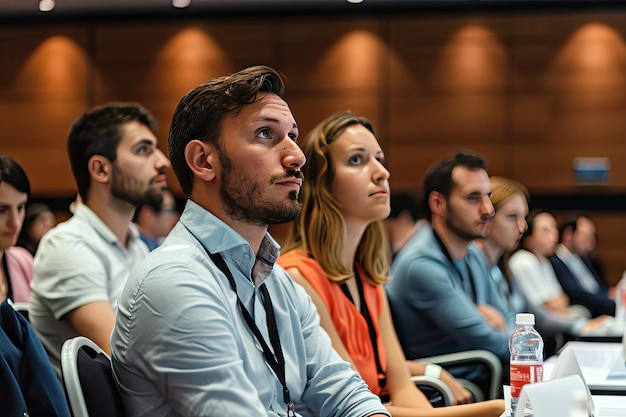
[88, 380]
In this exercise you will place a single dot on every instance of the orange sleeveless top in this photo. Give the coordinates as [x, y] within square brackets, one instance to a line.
[348, 321]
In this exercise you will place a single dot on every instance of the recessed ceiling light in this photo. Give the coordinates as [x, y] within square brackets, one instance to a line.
[354, 1]
[46, 5]
[181, 4]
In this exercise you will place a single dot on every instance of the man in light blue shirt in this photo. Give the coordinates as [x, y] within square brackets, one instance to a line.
[207, 325]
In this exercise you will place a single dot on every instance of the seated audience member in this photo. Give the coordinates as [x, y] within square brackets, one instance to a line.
[198, 316]
[531, 268]
[39, 219]
[574, 267]
[404, 221]
[336, 251]
[28, 383]
[510, 200]
[17, 263]
[441, 300]
[81, 265]
[155, 219]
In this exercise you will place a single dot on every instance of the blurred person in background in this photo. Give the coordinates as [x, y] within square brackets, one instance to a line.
[532, 269]
[81, 265]
[510, 200]
[575, 267]
[155, 220]
[404, 221]
[39, 219]
[17, 263]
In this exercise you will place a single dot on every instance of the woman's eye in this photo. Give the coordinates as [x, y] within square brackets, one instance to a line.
[355, 160]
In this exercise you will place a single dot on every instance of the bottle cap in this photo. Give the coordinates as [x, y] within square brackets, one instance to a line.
[525, 318]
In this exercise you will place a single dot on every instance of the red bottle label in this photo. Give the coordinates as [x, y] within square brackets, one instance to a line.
[524, 374]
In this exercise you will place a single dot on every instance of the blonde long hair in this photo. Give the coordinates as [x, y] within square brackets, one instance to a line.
[318, 231]
[501, 190]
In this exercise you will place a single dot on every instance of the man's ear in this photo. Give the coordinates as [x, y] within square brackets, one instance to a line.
[437, 203]
[100, 169]
[201, 158]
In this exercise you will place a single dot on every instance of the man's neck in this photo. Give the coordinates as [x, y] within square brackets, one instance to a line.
[211, 202]
[115, 215]
[252, 233]
[456, 246]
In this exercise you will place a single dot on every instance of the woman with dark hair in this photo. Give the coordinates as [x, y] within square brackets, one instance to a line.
[337, 250]
[39, 219]
[17, 262]
[531, 267]
[510, 200]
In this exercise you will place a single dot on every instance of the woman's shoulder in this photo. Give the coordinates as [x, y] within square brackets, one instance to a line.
[18, 254]
[306, 266]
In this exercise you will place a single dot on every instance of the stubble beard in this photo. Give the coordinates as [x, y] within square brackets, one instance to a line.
[242, 199]
[127, 188]
[461, 232]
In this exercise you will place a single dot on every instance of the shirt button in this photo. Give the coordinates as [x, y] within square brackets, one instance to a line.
[247, 256]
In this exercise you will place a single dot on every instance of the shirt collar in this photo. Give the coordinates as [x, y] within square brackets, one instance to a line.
[87, 215]
[218, 237]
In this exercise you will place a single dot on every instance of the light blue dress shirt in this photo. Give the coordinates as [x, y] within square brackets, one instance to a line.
[181, 346]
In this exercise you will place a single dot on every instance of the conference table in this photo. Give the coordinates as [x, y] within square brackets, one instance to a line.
[601, 364]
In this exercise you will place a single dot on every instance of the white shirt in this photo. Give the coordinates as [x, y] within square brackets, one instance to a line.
[535, 277]
[78, 262]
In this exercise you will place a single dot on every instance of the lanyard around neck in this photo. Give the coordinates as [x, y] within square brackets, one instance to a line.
[382, 377]
[470, 277]
[276, 360]
[7, 278]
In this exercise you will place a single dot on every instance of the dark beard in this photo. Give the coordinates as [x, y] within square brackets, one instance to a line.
[463, 234]
[132, 191]
[241, 200]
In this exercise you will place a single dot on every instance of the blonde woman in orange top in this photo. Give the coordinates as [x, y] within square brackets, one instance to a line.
[337, 250]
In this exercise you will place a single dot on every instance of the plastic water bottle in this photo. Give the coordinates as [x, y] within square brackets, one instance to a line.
[579, 407]
[526, 347]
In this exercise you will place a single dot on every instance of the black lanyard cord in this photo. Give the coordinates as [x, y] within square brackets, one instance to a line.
[470, 276]
[7, 278]
[382, 377]
[277, 362]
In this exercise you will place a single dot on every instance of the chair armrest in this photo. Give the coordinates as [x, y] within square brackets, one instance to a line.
[469, 356]
[437, 384]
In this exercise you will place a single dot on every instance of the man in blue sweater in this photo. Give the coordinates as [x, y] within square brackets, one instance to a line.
[440, 298]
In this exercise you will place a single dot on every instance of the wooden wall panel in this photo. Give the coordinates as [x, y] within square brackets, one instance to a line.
[408, 163]
[332, 66]
[43, 88]
[157, 64]
[452, 120]
[548, 167]
[531, 92]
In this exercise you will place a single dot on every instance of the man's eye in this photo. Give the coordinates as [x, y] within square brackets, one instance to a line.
[265, 134]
